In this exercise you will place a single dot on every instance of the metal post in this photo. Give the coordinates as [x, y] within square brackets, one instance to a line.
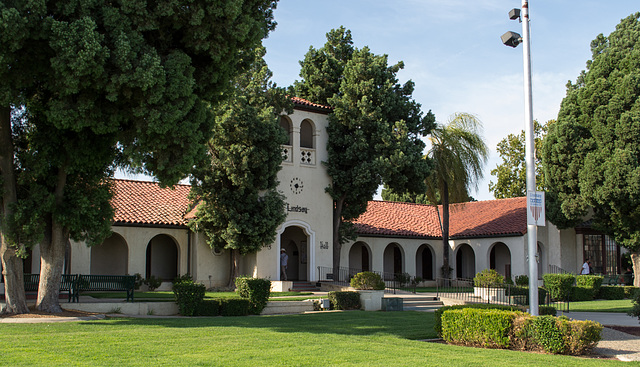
[532, 234]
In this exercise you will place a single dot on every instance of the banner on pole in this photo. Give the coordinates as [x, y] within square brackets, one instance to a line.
[535, 208]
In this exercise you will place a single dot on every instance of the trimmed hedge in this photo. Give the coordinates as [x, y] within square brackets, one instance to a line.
[590, 281]
[635, 300]
[234, 306]
[476, 327]
[488, 278]
[208, 307]
[524, 291]
[519, 331]
[630, 291]
[367, 280]
[257, 290]
[188, 296]
[559, 285]
[344, 300]
[437, 326]
[611, 292]
[522, 280]
[582, 294]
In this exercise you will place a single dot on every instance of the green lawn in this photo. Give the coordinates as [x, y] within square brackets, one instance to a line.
[354, 338]
[622, 305]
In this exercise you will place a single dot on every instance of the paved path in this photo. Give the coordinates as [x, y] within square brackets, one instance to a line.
[622, 346]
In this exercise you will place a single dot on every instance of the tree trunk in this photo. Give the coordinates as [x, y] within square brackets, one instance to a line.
[16, 301]
[635, 260]
[337, 245]
[445, 232]
[233, 268]
[52, 254]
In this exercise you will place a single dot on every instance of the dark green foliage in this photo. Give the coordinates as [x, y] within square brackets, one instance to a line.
[611, 292]
[234, 307]
[582, 294]
[345, 300]
[367, 280]
[524, 291]
[139, 281]
[591, 154]
[208, 307]
[188, 296]
[402, 278]
[547, 310]
[559, 285]
[511, 173]
[437, 326]
[591, 281]
[629, 291]
[374, 131]
[547, 334]
[257, 290]
[522, 280]
[475, 327]
[488, 278]
[153, 282]
[183, 278]
[239, 207]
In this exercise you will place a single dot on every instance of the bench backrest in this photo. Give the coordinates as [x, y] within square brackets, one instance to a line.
[106, 282]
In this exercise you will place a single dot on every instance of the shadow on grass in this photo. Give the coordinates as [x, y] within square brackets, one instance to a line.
[407, 324]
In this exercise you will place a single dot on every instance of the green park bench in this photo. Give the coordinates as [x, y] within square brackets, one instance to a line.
[107, 283]
[67, 284]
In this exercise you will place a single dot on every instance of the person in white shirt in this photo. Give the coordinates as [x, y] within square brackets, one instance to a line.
[586, 267]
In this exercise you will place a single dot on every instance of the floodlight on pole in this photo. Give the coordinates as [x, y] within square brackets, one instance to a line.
[513, 39]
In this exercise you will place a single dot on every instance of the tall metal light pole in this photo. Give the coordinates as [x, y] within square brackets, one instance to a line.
[513, 39]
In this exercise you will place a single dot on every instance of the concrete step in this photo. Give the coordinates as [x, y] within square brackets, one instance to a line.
[287, 307]
[304, 287]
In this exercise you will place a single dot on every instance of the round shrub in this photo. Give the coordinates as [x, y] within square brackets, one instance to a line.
[488, 278]
[257, 290]
[367, 280]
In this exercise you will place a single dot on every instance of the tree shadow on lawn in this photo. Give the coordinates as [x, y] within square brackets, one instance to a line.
[406, 324]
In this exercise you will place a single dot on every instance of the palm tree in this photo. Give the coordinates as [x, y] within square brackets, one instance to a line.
[458, 152]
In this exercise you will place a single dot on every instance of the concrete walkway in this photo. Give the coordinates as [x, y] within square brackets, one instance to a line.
[617, 344]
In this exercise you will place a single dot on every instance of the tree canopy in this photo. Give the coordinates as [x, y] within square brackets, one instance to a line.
[592, 155]
[511, 174]
[239, 207]
[374, 129]
[88, 86]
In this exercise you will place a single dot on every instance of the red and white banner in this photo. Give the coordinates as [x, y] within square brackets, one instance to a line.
[535, 208]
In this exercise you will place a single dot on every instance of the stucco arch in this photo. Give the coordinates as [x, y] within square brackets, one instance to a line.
[111, 257]
[310, 246]
[163, 252]
[307, 134]
[360, 257]
[425, 262]
[287, 126]
[500, 258]
[465, 261]
[393, 260]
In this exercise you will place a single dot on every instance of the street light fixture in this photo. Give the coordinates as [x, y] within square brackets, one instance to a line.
[513, 39]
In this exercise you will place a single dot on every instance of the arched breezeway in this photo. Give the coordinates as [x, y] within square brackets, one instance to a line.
[500, 259]
[425, 262]
[111, 257]
[162, 258]
[295, 242]
[360, 257]
[393, 260]
[465, 262]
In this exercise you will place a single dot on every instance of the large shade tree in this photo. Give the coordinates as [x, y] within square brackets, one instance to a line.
[511, 174]
[374, 129]
[239, 207]
[88, 86]
[458, 152]
[592, 155]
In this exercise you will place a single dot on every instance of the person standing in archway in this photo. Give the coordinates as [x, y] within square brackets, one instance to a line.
[284, 260]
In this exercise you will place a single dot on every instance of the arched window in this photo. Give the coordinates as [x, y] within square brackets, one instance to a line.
[285, 124]
[307, 134]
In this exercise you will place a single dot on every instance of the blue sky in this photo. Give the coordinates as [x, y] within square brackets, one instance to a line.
[453, 53]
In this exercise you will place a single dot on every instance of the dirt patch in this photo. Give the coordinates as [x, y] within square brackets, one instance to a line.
[34, 314]
[633, 330]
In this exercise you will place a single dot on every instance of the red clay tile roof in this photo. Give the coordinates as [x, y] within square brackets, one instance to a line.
[300, 102]
[506, 217]
[146, 203]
